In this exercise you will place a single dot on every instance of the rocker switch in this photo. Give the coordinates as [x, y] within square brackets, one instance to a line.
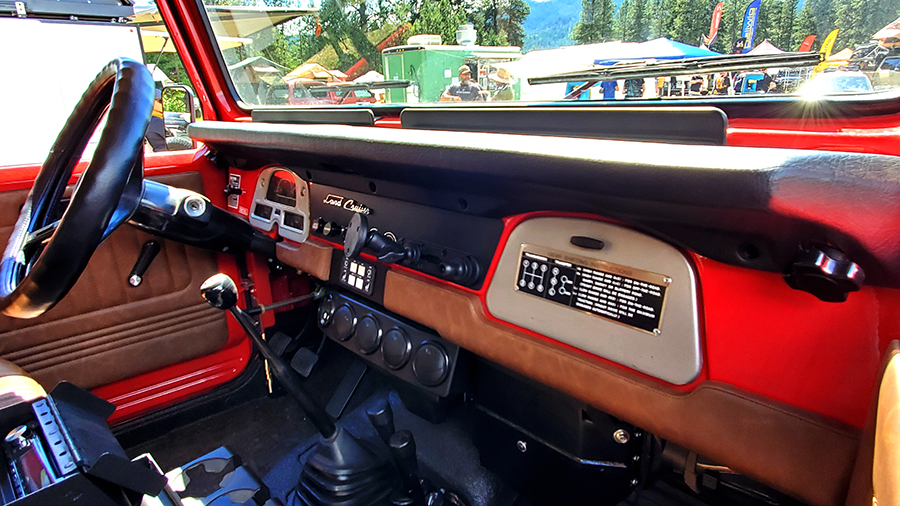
[145, 258]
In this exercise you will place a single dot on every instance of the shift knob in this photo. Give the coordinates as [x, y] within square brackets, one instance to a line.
[220, 291]
[403, 449]
[382, 418]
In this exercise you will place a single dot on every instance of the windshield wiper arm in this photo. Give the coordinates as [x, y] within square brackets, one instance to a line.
[704, 65]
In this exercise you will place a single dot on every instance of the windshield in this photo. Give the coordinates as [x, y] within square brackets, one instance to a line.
[302, 52]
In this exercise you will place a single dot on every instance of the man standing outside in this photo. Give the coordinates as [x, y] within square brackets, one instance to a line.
[609, 89]
[463, 91]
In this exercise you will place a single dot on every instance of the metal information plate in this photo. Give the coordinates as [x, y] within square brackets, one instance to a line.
[618, 293]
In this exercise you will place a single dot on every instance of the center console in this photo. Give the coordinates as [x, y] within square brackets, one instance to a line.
[59, 450]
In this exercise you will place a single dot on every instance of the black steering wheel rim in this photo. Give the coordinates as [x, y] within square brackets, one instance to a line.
[106, 194]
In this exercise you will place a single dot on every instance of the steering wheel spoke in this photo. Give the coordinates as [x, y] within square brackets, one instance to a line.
[39, 237]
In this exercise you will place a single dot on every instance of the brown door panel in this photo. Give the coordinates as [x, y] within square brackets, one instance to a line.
[105, 330]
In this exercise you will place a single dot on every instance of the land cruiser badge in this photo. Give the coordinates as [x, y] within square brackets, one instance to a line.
[348, 204]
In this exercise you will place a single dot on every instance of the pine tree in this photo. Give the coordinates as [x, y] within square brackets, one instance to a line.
[667, 15]
[804, 26]
[636, 28]
[439, 17]
[785, 39]
[823, 15]
[768, 20]
[596, 23]
[691, 20]
[851, 19]
[512, 18]
[882, 12]
[622, 21]
[730, 26]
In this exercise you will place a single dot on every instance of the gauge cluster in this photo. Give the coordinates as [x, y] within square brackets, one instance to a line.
[281, 198]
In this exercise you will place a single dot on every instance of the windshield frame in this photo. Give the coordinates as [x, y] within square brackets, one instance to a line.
[838, 108]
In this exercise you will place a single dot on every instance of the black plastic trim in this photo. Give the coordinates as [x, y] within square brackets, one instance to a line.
[714, 200]
[684, 125]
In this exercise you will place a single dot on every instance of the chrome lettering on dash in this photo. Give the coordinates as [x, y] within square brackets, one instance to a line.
[348, 204]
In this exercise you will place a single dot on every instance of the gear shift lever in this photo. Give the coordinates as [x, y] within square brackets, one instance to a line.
[221, 292]
[341, 470]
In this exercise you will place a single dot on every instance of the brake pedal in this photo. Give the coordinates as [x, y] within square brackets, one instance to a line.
[304, 361]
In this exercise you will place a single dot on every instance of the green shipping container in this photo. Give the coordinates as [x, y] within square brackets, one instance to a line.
[431, 68]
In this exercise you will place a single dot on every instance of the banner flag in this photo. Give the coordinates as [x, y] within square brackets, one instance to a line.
[807, 43]
[737, 47]
[748, 32]
[710, 39]
[828, 43]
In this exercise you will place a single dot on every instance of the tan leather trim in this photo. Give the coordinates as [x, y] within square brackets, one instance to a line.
[16, 386]
[803, 454]
[105, 330]
[16, 389]
[309, 257]
[861, 487]
[886, 460]
[8, 368]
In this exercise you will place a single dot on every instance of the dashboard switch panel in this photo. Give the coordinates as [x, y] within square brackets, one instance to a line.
[358, 275]
[344, 322]
[400, 349]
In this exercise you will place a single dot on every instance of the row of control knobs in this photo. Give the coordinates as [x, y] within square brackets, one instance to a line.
[326, 228]
[430, 362]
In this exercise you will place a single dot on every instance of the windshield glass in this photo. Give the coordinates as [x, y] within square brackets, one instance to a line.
[326, 52]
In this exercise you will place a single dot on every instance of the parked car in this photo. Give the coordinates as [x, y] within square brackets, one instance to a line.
[888, 73]
[836, 83]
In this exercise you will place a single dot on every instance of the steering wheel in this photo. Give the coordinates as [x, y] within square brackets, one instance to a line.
[51, 245]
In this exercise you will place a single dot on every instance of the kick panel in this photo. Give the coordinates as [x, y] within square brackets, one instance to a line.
[605, 289]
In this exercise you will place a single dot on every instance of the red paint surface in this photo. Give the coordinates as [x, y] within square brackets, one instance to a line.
[179, 382]
[389, 122]
[154, 390]
[760, 335]
[785, 344]
[186, 24]
[877, 135]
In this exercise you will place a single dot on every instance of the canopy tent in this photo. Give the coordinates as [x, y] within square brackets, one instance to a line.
[656, 49]
[257, 68]
[257, 79]
[233, 20]
[843, 55]
[765, 47]
[156, 39]
[835, 61]
[369, 77]
[316, 72]
[553, 61]
[158, 75]
[889, 35]
[889, 31]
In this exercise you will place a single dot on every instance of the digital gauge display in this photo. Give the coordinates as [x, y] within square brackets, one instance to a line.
[282, 189]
